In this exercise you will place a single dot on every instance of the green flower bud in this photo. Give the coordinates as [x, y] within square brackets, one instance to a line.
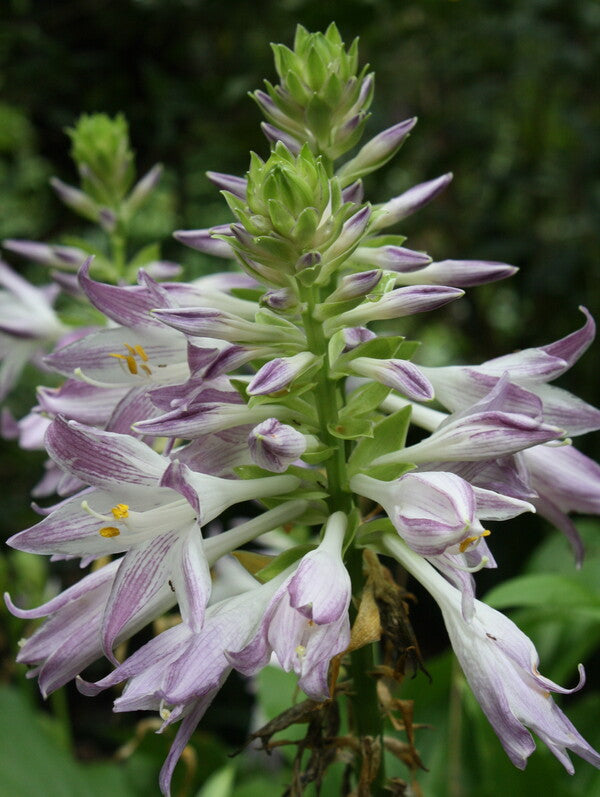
[102, 152]
[321, 99]
[292, 210]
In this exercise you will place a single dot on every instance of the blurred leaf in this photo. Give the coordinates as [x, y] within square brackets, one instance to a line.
[546, 590]
[220, 783]
[32, 762]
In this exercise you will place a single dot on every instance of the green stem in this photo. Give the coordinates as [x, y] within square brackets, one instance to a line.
[329, 399]
[117, 243]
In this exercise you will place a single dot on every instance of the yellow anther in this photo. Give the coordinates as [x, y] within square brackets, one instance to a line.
[141, 353]
[133, 366]
[120, 511]
[466, 543]
[109, 531]
[300, 651]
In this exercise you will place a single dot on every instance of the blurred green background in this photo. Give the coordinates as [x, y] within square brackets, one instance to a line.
[507, 97]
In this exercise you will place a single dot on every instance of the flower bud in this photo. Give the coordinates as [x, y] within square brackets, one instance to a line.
[409, 202]
[376, 152]
[274, 445]
[102, 152]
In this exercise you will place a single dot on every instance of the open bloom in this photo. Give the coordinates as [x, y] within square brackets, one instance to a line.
[180, 671]
[71, 637]
[459, 386]
[145, 505]
[436, 511]
[501, 666]
[28, 324]
[306, 622]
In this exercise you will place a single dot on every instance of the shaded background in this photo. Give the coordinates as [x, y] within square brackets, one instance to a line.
[507, 96]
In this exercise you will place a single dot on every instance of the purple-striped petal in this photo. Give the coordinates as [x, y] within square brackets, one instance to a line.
[409, 202]
[142, 579]
[279, 373]
[229, 182]
[128, 305]
[274, 134]
[394, 258]
[459, 273]
[396, 304]
[203, 240]
[103, 459]
[274, 445]
[401, 375]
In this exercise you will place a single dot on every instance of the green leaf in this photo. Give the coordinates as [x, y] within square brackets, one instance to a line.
[380, 348]
[249, 294]
[389, 435]
[220, 783]
[305, 226]
[145, 255]
[266, 316]
[283, 561]
[315, 457]
[383, 240]
[387, 473]
[318, 117]
[363, 400]
[32, 763]
[285, 397]
[251, 472]
[336, 346]
[352, 428]
[241, 386]
[550, 591]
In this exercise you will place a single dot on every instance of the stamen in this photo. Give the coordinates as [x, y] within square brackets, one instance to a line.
[141, 352]
[466, 543]
[87, 508]
[109, 531]
[300, 651]
[120, 511]
[475, 568]
[130, 360]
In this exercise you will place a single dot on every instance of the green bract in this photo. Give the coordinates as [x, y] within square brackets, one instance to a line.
[101, 150]
[321, 99]
[292, 219]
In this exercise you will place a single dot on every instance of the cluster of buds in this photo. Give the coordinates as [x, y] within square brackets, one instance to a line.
[293, 219]
[108, 196]
[322, 99]
[270, 386]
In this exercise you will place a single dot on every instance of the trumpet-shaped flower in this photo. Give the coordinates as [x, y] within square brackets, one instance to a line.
[145, 505]
[306, 622]
[501, 666]
[437, 512]
[459, 386]
[28, 325]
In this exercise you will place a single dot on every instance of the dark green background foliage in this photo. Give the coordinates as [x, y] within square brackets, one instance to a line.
[506, 92]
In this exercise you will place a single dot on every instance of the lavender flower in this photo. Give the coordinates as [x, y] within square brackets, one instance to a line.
[501, 666]
[184, 389]
[306, 622]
